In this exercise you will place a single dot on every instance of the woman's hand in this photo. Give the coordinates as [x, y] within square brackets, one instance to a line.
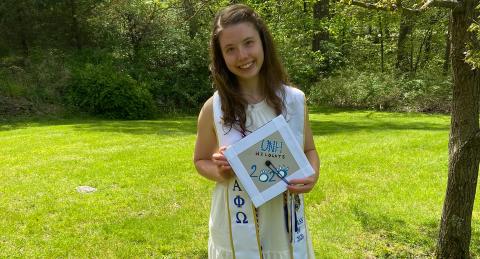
[223, 167]
[305, 185]
[302, 185]
[208, 158]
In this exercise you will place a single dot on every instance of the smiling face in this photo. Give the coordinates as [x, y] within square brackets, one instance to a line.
[242, 51]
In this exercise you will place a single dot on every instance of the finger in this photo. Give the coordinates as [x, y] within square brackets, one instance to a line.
[300, 188]
[222, 149]
[218, 156]
[221, 163]
[226, 168]
[219, 160]
[301, 181]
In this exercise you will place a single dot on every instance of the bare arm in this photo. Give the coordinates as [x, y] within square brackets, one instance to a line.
[208, 157]
[305, 185]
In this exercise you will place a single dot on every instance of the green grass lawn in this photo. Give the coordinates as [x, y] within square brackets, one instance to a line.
[380, 193]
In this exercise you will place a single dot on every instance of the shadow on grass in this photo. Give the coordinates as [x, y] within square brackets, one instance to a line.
[326, 110]
[361, 121]
[182, 126]
[320, 128]
[171, 126]
[397, 238]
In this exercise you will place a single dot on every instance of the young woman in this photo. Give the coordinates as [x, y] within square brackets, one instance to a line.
[251, 90]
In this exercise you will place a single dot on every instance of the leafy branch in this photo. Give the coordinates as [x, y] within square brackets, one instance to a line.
[397, 5]
[473, 53]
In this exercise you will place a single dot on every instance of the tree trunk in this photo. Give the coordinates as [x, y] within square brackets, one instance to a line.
[305, 13]
[406, 28]
[134, 35]
[428, 39]
[74, 26]
[412, 47]
[428, 48]
[191, 19]
[446, 60]
[20, 14]
[320, 11]
[464, 143]
[382, 51]
[423, 57]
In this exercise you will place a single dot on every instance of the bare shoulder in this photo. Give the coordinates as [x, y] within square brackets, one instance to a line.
[207, 106]
[206, 141]
[206, 113]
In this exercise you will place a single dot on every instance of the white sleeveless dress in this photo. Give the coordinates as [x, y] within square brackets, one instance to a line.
[271, 220]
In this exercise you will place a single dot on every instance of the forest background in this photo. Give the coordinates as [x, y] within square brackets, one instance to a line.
[138, 59]
[132, 59]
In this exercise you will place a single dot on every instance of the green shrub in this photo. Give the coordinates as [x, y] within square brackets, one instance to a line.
[102, 90]
[34, 84]
[12, 81]
[428, 93]
[38, 78]
[382, 91]
[177, 78]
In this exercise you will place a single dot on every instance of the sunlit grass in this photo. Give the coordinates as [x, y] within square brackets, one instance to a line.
[382, 183]
[146, 201]
[380, 193]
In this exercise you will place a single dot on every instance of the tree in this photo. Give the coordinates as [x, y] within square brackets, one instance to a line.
[139, 20]
[406, 28]
[189, 10]
[320, 11]
[408, 16]
[16, 25]
[464, 141]
[446, 59]
[382, 49]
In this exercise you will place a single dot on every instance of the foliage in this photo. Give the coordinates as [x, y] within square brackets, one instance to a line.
[36, 82]
[164, 45]
[473, 53]
[302, 64]
[176, 77]
[423, 93]
[157, 50]
[103, 90]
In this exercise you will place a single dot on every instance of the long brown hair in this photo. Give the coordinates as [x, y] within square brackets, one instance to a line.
[272, 74]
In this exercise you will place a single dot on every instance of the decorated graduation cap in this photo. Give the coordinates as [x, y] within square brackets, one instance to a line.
[267, 159]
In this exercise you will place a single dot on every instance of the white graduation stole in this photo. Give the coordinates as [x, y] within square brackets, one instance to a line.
[244, 229]
[298, 223]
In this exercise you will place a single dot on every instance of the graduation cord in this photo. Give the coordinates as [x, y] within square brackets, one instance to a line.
[257, 229]
[286, 216]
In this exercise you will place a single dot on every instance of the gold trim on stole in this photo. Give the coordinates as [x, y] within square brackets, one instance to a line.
[227, 187]
[257, 230]
[230, 222]
[289, 218]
